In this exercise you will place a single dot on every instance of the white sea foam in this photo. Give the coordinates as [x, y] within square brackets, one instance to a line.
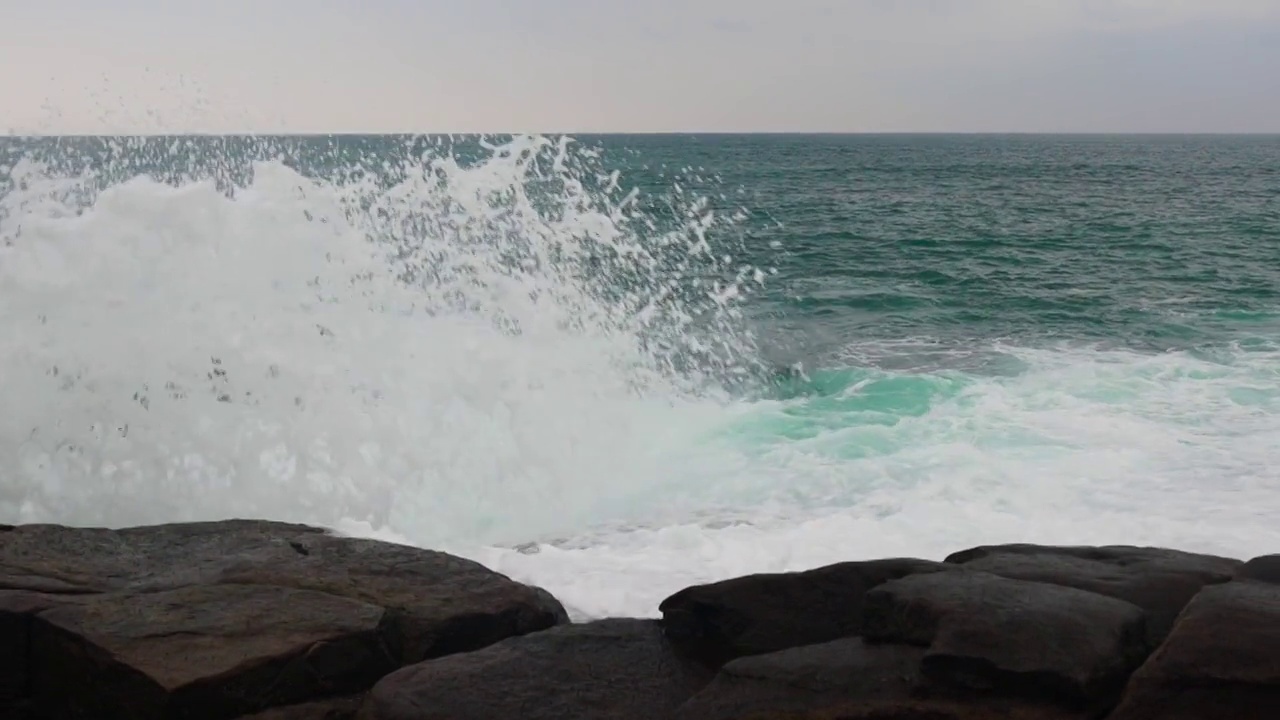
[1084, 447]
[173, 353]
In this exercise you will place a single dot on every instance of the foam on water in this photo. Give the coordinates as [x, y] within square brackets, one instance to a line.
[512, 352]
[1082, 447]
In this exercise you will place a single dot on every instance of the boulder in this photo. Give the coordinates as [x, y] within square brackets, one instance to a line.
[1159, 581]
[442, 603]
[1263, 569]
[618, 669]
[763, 613]
[984, 633]
[1222, 660]
[848, 679]
[214, 620]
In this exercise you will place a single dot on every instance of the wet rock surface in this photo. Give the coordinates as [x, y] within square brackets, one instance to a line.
[762, 613]
[273, 621]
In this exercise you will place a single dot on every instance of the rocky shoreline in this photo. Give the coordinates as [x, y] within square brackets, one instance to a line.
[273, 621]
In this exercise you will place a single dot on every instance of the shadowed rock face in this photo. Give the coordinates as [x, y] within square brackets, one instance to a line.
[849, 679]
[985, 633]
[618, 669]
[341, 708]
[762, 613]
[1222, 660]
[814, 678]
[1263, 569]
[216, 620]
[17, 607]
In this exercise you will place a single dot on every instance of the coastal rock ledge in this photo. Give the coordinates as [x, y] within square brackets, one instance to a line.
[272, 621]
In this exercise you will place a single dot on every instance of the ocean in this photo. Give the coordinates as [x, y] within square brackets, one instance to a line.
[615, 366]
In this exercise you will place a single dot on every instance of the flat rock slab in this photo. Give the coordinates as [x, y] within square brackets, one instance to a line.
[1159, 581]
[216, 651]
[1036, 641]
[764, 613]
[441, 604]
[616, 669]
[208, 610]
[848, 679]
[60, 559]
[1222, 660]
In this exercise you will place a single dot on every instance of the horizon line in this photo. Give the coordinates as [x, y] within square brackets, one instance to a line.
[655, 133]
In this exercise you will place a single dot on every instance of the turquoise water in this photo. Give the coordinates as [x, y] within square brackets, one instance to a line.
[656, 359]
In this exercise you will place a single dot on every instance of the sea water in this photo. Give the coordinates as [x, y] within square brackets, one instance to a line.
[617, 366]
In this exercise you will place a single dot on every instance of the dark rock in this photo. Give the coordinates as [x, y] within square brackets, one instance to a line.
[442, 603]
[1114, 554]
[617, 669]
[848, 679]
[229, 617]
[58, 559]
[1222, 660]
[343, 708]
[1159, 581]
[986, 633]
[763, 613]
[272, 621]
[214, 651]
[23, 711]
[17, 608]
[1263, 569]
[809, 679]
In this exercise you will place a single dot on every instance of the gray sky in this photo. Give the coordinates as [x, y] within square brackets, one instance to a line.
[640, 65]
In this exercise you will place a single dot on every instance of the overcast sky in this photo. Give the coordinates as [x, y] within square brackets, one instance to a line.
[640, 65]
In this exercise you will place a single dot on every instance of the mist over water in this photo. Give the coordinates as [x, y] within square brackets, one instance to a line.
[512, 350]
